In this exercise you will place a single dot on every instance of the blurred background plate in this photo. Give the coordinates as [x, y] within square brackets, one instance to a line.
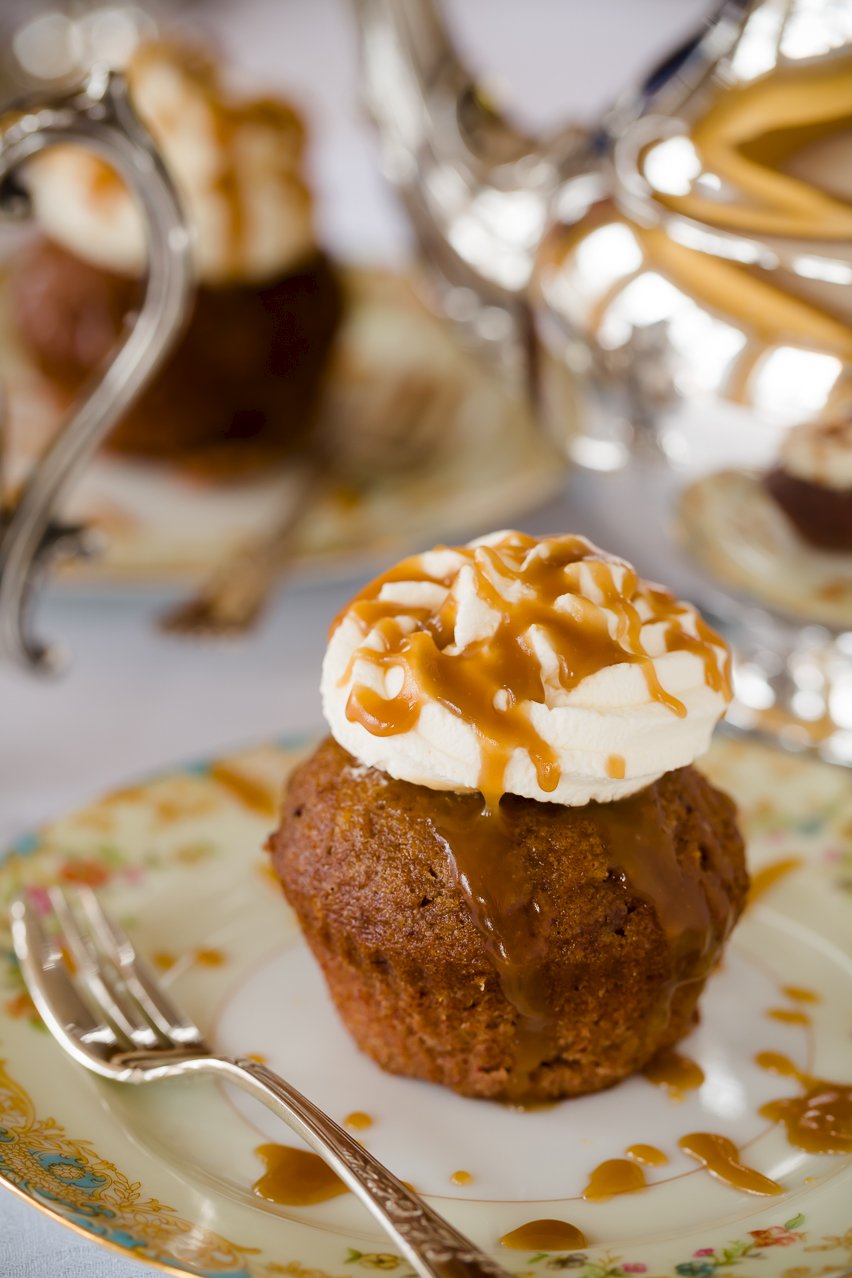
[463, 450]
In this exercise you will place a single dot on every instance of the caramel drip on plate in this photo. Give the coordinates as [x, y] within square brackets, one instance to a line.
[615, 1176]
[778, 1063]
[647, 1154]
[800, 995]
[358, 1121]
[461, 1178]
[722, 1159]
[789, 1015]
[820, 1120]
[540, 585]
[768, 875]
[676, 1073]
[544, 1235]
[295, 1177]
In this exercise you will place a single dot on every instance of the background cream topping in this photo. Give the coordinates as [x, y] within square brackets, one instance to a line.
[542, 668]
[236, 165]
[819, 452]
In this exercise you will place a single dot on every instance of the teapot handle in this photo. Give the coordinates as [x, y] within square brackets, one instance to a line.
[99, 117]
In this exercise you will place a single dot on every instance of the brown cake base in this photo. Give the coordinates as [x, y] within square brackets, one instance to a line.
[243, 379]
[363, 864]
[822, 515]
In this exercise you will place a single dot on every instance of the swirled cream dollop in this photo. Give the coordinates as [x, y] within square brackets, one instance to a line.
[538, 667]
[820, 453]
[237, 167]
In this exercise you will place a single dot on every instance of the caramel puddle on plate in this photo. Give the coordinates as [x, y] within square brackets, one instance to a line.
[768, 875]
[788, 1015]
[800, 995]
[676, 1073]
[820, 1120]
[647, 1154]
[295, 1177]
[722, 1159]
[358, 1121]
[544, 1235]
[615, 1176]
[461, 1178]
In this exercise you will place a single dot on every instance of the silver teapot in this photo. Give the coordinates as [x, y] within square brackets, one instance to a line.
[673, 285]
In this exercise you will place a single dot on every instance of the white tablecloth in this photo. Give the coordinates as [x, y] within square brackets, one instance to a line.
[134, 701]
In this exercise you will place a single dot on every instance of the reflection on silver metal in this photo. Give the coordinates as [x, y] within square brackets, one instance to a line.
[105, 1007]
[99, 117]
[689, 293]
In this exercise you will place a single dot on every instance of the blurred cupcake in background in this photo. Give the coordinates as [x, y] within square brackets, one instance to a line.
[242, 386]
[812, 482]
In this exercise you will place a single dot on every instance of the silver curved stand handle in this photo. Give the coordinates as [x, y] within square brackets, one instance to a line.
[99, 117]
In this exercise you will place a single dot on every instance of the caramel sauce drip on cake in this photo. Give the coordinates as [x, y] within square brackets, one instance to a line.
[513, 920]
[295, 1177]
[820, 1119]
[544, 1235]
[722, 1159]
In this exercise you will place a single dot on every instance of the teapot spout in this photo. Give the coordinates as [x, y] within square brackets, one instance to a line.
[477, 189]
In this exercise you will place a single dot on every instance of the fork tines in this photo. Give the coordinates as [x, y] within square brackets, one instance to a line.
[91, 987]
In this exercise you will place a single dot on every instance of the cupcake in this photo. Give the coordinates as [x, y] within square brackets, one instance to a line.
[246, 373]
[812, 482]
[510, 873]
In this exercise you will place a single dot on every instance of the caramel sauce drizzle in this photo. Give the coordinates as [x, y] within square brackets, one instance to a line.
[676, 1073]
[649, 1155]
[820, 1119]
[534, 585]
[615, 1176]
[615, 766]
[721, 1158]
[545, 590]
[295, 1177]
[544, 1235]
[461, 1178]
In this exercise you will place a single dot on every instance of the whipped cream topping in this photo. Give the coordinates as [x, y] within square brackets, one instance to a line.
[819, 452]
[538, 667]
[237, 168]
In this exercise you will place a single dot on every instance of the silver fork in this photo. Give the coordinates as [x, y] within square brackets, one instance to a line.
[105, 1007]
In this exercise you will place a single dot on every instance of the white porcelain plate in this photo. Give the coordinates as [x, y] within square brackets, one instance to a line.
[166, 1172]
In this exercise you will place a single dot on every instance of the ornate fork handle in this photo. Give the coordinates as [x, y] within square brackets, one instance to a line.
[430, 1244]
[99, 117]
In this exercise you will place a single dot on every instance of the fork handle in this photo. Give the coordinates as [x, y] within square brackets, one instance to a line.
[428, 1242]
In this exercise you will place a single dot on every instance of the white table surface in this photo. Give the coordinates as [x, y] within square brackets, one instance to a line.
[134, 701]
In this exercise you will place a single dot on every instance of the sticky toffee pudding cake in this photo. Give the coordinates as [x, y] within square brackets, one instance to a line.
[512, 876]
[812, 482]
[245, 376]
